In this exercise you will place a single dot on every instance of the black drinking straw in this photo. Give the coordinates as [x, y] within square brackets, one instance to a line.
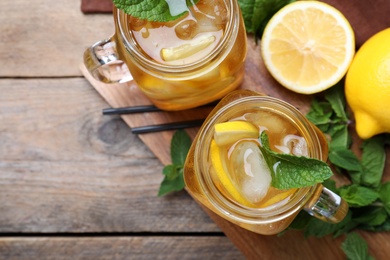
[165, 127]
[130, 110]
[140, 109]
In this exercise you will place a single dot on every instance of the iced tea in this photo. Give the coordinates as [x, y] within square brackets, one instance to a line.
[232, 178]
[245, 166]
[190, 61]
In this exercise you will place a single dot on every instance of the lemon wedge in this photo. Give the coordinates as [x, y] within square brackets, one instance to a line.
[278, 197]
[232, 131]
[186, 50]
[216, 161]
[308, 46]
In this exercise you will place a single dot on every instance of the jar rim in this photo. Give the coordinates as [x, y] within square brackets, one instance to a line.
[231, 208]
[229, 35]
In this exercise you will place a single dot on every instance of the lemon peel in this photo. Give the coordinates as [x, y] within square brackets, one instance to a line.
[232, 131]
[223, 176]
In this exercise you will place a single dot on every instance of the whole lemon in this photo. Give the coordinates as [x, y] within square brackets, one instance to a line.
[367, 86]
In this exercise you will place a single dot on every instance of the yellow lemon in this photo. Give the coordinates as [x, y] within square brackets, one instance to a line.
[367, 86]
[216, 161]
[232, 131]
[307, 46]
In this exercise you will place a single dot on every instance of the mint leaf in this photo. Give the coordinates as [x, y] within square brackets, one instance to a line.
[180, 145]
[384, 195]
[320, 114]
[247, 7]
[345, 159]
[289, 171]
[257, 13]
[174, 179]
[319, 228]
[358, 196]
[355, 247]
[335, 97]
[370, 216]
[373, 161]
[154, 10]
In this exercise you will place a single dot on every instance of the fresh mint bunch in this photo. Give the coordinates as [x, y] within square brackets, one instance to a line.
[289, 171]
[155, 10]
[257, 13]
[367, 195]
[173, 180]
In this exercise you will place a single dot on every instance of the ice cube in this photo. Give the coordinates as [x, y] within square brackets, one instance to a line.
[211, 12]
[250, 171]
[293, 144]
[186, 30]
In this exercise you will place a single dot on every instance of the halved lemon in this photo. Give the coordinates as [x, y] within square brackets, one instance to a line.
[308, 46]
[232, 131]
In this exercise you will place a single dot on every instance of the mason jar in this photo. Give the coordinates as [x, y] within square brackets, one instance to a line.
[202, 184]
[181, 64]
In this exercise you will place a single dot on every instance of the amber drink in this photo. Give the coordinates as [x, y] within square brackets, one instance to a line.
[233, 179]
[184, 63]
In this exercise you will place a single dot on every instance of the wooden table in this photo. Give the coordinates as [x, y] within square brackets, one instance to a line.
[78, 185]
[74, 183]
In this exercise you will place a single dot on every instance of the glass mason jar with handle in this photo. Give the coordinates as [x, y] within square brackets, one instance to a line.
[234, 194]
[191, 61]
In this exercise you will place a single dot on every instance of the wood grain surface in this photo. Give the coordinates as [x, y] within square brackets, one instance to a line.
[75, 184]
[78, 185]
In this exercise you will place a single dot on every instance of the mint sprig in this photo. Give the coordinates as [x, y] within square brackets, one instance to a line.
[367, 195]
[155, 10]
[290, 171]
[173, 180]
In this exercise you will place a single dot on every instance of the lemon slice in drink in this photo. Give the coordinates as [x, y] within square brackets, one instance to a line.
[216, 161]
[186, 50]
[307, 46]
[277, 198]
[232, 131]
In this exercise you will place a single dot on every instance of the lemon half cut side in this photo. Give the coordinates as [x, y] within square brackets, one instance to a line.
[308, 46]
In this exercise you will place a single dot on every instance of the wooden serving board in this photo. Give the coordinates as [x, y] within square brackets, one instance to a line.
[292, 245]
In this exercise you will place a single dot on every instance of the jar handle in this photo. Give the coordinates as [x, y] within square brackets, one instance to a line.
[328, 206]
[103, 62]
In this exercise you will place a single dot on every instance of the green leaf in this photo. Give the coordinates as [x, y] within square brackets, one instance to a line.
[154, 10]
[355, 247]
[173, 180]
[180, 145]
[320, 114]
[335, 97]
[384, 195]
[371, 216]
[344, 158]
[373, 161]
[340, 137]
[247, 7]
[358, 196]
[301, 220]
[319, 228]
[289, 171]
